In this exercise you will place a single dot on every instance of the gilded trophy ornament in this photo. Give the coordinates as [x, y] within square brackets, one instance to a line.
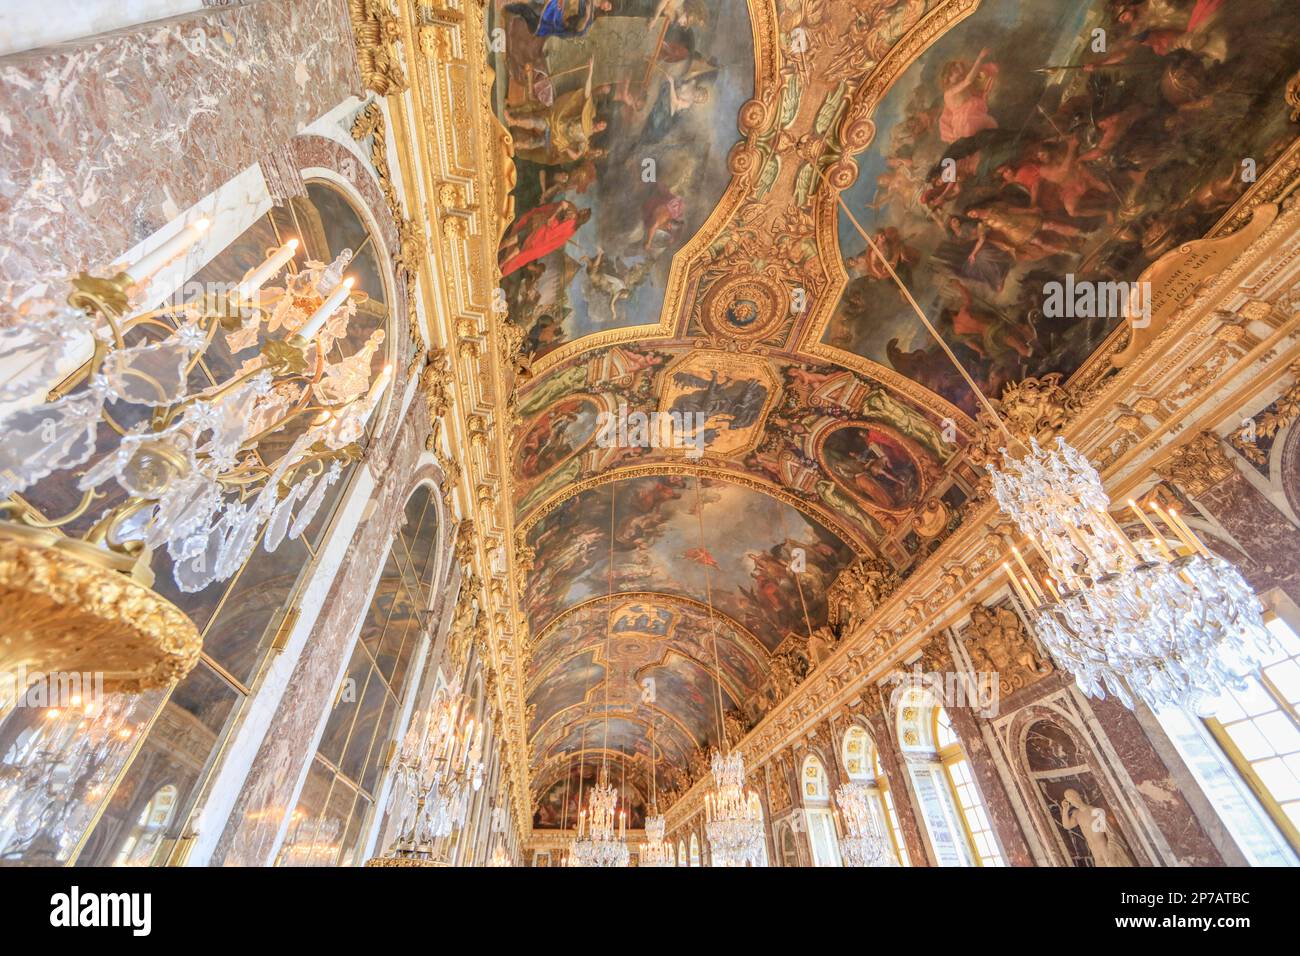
[860, 589]
[998, 642]
[1198, 465]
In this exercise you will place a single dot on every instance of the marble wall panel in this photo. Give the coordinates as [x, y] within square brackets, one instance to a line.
[105, 140]
[1271, 542]
[1157, 788]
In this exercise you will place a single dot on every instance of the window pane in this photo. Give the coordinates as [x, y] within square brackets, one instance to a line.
[1268, 743]
[353, 691]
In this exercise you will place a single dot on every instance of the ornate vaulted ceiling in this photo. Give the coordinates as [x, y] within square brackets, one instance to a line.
[678, 246]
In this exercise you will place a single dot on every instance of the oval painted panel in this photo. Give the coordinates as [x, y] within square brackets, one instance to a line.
[875, 466]
[555, 436]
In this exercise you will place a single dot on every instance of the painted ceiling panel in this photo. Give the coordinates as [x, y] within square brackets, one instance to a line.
[642, 629]
[737, 546]
[766, 419]
[621, 123]
[1057, 169]
[566, 688]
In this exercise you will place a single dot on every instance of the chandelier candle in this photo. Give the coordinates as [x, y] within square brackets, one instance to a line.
[311, 328]
[170, 250]
[254, 281]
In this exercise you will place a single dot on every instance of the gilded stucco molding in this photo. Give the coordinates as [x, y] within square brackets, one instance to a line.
[1198, 465]
[456, 175]
[378, 33]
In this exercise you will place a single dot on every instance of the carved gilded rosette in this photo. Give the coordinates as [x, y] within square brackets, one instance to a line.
[71, 607]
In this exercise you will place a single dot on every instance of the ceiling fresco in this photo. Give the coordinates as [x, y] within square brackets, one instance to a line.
[662, 654]
[686, 537]
[621, 114]
[1063, 160]
[850, 453]
[722, 281]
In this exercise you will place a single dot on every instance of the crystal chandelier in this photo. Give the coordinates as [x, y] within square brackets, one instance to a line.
[864, 845]
[655, 852]
[734, 816]
[66, 753]
[499, 857]
[438, 769]
[1134, 619]
[202, 470]
[598, 844]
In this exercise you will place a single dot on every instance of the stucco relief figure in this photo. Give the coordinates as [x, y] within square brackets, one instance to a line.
[1093, 824]
[787, 670]
[859, 590]
[736, 727]
[821, 645]
[999, 643]
[698, 766]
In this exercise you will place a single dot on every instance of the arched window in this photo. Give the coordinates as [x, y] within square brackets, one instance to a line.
[142, 842]
[815, 791]
[241, 619]
[1259, 730]
[681, 854]
[862, 763]
[695, 851]
[974, 817]
[948, 800]
[328, 826]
